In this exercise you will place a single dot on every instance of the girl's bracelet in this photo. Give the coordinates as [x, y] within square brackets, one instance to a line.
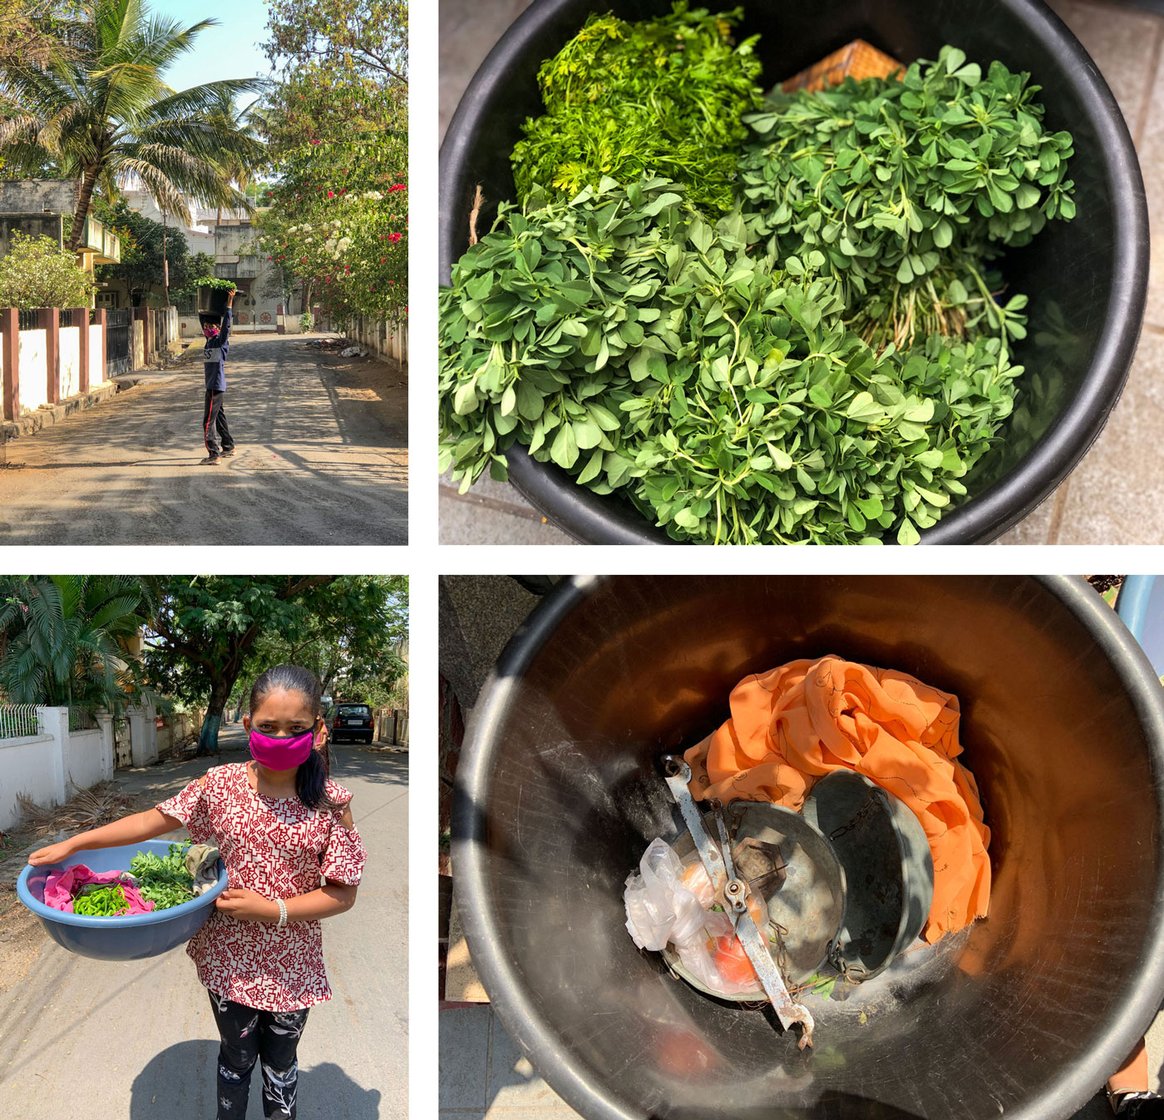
[282, 913]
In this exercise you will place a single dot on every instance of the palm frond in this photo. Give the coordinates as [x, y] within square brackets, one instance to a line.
[184, 172]
[211, 98]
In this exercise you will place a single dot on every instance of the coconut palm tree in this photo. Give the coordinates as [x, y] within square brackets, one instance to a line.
[67, 640]
[245, 121]
[104, 111]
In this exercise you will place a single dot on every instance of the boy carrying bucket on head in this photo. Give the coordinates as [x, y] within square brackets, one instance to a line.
[219, 442]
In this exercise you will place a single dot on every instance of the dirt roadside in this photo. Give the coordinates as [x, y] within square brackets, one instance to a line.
[322, 458]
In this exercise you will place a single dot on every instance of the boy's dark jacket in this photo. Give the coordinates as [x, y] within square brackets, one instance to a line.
[214, 356]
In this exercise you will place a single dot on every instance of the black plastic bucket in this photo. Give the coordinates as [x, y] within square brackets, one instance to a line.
[1023, 1015]
[1087, 279]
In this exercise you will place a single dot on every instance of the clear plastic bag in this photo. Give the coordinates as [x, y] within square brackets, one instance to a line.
[662, 910]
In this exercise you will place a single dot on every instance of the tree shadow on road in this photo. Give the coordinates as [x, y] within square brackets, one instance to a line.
[181, 1082]
[371, 766]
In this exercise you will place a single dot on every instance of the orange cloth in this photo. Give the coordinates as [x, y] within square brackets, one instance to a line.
[800, 721]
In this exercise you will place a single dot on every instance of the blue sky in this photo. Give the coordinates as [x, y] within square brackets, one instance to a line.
[233, 49]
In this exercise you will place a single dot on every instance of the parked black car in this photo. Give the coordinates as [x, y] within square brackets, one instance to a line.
[351, 720]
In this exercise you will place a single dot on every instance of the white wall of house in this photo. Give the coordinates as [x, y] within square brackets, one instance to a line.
[33, 369]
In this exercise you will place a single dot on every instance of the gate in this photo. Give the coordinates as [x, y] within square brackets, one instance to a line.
[118, 334]
[122, 744]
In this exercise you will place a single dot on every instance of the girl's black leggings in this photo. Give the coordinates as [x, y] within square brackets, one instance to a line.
[269, 1037]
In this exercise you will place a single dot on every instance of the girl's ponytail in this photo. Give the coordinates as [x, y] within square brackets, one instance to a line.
[310, 783]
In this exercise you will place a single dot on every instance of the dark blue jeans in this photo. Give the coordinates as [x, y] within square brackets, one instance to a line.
[216, 433]
[269, 1037]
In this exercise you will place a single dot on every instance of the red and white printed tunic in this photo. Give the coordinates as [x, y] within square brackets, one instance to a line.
[279, 848]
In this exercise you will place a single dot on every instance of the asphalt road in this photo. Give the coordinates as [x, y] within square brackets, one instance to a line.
[322, 458]
[137, 1040]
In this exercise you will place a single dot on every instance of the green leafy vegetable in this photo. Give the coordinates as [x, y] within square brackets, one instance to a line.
[824, 363]
[664, 96]
[908, 189]
[163, 880]
[626, 339]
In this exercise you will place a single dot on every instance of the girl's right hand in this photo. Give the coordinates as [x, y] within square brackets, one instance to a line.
[54, 853]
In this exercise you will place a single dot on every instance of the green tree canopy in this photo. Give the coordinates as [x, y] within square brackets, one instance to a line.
[142, 251]
[103, 110]
[351, 643]
[360, 36]
[337, 133]
[37, 272]
[211, 632]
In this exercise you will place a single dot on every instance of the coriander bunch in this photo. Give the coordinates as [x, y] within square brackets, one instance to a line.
[664, 96]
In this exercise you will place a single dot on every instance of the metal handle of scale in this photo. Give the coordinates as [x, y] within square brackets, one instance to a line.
[717, 859]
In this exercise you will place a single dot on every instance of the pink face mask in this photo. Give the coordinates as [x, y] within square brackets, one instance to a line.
[284, 753]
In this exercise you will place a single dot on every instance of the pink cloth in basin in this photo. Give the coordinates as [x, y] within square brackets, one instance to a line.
[62, 886]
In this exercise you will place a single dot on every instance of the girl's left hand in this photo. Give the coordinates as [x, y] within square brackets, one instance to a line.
[248, 906]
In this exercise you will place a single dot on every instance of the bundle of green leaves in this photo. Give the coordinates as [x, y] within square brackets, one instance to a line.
[908, 188]
[163, 880]
[664, 96]
[642, 349]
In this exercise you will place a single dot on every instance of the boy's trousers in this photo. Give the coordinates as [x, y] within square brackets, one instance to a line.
[216, 433]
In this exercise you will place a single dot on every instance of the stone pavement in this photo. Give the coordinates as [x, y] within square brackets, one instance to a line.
[1105, 498]
[322, 458]
[136, 1040]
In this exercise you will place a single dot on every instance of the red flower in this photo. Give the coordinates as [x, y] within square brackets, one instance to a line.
[394, 237]
[331, 194]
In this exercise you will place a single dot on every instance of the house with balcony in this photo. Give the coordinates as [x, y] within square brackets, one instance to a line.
[44, 208]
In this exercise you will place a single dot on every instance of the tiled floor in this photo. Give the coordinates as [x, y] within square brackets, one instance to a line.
[1112, 494]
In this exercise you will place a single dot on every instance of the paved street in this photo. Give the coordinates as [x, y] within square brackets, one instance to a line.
[322, 458]
[137, 1039]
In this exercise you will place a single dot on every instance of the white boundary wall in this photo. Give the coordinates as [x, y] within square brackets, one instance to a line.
[33, 370]
[96, 356]
[50, 766]
[70, 347]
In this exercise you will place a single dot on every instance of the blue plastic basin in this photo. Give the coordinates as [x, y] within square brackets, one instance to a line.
[128, 938]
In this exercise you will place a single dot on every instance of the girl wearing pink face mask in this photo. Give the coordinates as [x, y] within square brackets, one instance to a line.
[285, 832]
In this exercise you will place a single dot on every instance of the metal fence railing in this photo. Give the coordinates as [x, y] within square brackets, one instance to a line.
[82, 719]
[28, 320]
[118, 334]
[19, 721]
